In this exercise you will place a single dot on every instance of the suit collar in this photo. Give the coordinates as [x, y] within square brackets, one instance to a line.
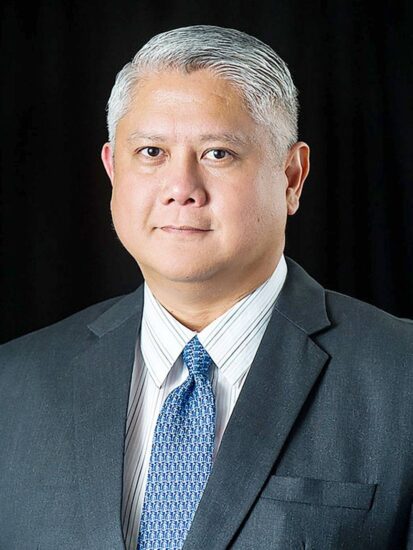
[302, 300]
[129, 305]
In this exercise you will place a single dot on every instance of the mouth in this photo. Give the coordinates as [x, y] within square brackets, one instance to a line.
[184, 229]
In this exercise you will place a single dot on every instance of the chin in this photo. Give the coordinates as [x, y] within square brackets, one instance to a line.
[184, 274]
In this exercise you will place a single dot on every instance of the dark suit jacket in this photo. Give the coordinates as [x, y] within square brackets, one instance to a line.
[318, 453]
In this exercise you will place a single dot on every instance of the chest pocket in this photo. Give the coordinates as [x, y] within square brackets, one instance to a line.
[357, 496]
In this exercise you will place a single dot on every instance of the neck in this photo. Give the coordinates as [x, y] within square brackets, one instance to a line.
[197, 304]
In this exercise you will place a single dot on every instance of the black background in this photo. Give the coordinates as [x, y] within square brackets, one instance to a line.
[353, 68]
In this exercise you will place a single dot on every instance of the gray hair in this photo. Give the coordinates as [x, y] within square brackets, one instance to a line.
[260, 75]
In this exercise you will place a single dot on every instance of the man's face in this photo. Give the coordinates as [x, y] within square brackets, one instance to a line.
[197, 194]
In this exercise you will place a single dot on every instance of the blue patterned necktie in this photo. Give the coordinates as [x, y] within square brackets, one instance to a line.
[181, 457]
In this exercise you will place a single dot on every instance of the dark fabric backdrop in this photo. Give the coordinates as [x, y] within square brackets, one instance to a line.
[354, 70]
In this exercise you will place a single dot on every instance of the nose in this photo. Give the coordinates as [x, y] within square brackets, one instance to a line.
[183, 183]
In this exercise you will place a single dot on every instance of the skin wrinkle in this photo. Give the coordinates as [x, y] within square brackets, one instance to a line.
[243, 199]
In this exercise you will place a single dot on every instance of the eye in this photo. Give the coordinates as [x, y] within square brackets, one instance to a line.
[152, 152]
[217, 154]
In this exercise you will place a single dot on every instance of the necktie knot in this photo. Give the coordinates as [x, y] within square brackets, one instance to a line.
[196, 358]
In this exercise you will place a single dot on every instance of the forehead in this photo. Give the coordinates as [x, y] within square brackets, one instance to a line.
[184, 102]
[189, 86]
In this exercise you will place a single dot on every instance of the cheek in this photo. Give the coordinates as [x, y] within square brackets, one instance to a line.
[271, 204]
[241, 220]
[130, 208]
[255, 211]
[255, 220]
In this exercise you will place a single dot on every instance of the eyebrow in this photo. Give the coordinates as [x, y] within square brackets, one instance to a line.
[236, 139]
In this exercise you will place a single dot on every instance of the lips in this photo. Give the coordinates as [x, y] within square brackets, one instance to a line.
[183, 228]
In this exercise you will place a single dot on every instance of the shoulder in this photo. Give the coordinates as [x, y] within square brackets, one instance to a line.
[67, 334]
[37, 364]
[367, 344]
[361, 319]
[346, 328]
[335, 317]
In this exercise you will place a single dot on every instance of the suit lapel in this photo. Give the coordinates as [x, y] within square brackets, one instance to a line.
[286, 367]
[101, 380]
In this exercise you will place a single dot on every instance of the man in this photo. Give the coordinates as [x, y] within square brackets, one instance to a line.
[231, 401]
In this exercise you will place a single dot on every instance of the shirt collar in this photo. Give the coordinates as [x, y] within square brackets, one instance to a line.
[163, 338]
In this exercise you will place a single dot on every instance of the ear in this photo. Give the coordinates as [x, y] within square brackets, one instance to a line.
[297, 166]
[107, 159]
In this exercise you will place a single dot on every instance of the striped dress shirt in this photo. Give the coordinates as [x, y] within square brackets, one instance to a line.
[231, 340]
